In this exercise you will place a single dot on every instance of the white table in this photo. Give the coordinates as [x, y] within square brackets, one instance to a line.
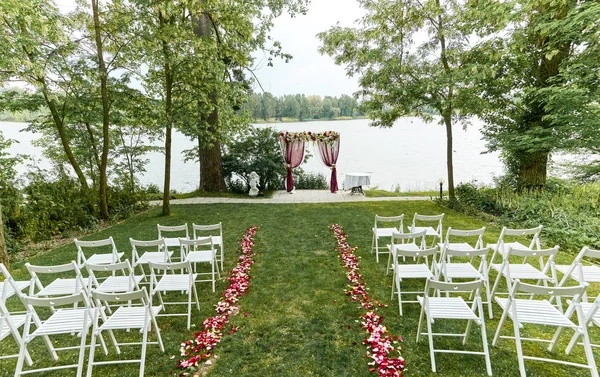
[355, 181]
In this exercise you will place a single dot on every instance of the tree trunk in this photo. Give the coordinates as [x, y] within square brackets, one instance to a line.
[105, 112]
[211, 162]
[3, 251]
[166, 207]
[449, 157]
[64, 139]
[532, 171]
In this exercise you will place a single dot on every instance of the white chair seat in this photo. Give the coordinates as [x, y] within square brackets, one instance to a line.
[153, 256]
[172, 241]
[540, 312]
[103, 258]
[591, 274]
[199, 256]
[449, 307]
[62, 287]
[9, 289]
[522, 271]
[217, 240]
[63, 321]
[461, 270]
[513, 245]
[384, 232]
[128, 317]
[460, 246]
[429, 231]
[587, 306]
[406, 246]
[410, 271]
[175, 282]
[18, 320]
[116, 284]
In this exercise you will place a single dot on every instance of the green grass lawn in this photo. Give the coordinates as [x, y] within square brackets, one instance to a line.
[299, 321]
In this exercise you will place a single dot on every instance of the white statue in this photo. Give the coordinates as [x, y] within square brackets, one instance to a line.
[254, 179]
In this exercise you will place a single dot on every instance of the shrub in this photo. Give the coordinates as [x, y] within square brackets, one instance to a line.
[310, 181]
[570, 212]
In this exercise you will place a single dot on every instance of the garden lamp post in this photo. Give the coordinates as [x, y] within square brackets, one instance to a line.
[441, 182]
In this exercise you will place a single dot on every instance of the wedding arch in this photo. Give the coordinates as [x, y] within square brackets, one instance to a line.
[292, 148]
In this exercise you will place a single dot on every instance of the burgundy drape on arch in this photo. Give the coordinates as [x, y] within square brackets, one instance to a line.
[329, 152]
[293, 154]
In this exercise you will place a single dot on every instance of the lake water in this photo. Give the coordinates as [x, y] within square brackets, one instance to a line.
[411, 155]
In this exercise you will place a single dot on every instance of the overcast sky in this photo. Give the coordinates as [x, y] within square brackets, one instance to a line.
[308, 72]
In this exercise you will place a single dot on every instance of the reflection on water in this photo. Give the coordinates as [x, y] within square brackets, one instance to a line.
[411, 155]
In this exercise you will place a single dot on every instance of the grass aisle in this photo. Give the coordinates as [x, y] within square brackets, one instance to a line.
[298, 314]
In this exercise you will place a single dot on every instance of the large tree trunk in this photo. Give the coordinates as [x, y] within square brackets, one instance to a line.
[532, 171]
[449, 158]
[211, 162]
[166, 207]
[3, 251]
[64, 139]
[105, 112]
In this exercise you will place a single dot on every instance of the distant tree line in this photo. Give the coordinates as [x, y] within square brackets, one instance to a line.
[266, 106]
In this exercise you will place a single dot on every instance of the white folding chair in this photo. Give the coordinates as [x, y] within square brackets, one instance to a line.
[176, 232]
[60, 286]
[453, 308]
[126, 317]
[467, 269]
[514, 238]
[591, 311]
[110, 254]
[542, 312]
[580, 272]
[471, 239]
[385, 232]
[164, 279]
[118, 278]
[161, 255]
[408, 242]
[61, 321]
[201, 251]
[524, 270]
[215, 231]
[10, 322]
[432, 225]
[416, 270]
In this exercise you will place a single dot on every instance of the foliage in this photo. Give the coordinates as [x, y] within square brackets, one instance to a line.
[569, 212]
[538, 85]
[265, 106]
[257, 150]
[310, 181]
[408, 55]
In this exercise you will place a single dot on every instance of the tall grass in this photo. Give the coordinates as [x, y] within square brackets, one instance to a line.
[570, 212]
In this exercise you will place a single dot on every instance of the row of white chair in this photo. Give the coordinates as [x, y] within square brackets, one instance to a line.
[212, 232]
[413, 246]
[92, 303]
[431, 224]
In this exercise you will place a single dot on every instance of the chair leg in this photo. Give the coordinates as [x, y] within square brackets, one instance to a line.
[486, 351]
[144, 343]
[377, 249]
[496, 282]
[399, 296]
[420, 323]
[431, 350]
[92, 352]
[500, 324]
[586, 342]
[189, 316]
[518, 341]
[221, 257]
[157, 330]
[488, 296]
[82, 345]
[372, 242]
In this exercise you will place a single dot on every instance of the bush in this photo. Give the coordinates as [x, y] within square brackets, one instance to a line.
[570, 212]
[310, 181]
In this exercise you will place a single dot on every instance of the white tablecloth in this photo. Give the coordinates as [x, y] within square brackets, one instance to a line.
[356, 179]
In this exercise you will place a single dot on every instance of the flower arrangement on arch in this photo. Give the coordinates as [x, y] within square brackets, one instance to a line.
[325, 137]
[198, 350]
[380, 345]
